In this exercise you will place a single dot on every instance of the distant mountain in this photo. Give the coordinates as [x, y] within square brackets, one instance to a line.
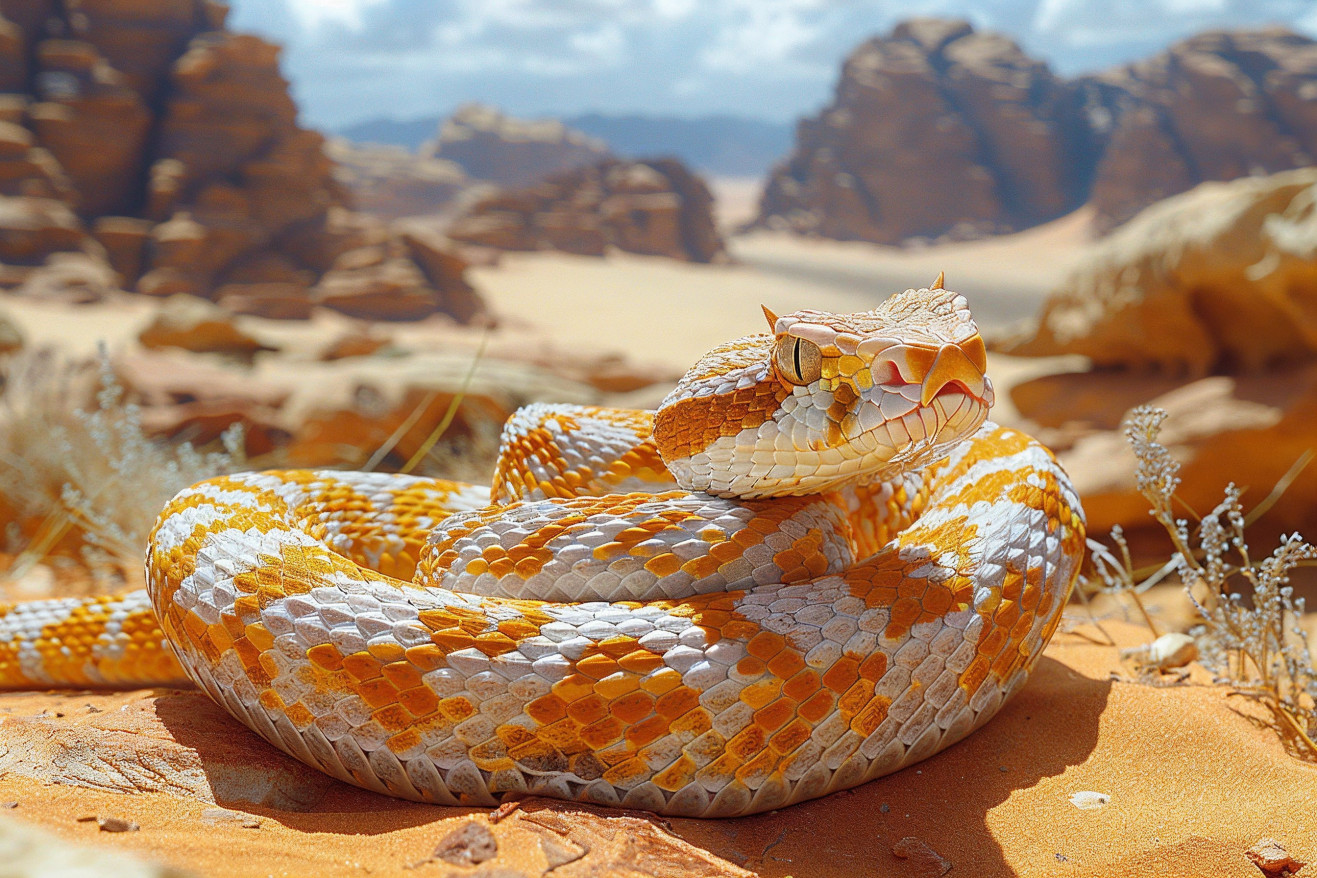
[410, 133]
[725, 146]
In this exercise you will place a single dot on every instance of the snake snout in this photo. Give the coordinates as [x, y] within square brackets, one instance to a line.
[954, 370]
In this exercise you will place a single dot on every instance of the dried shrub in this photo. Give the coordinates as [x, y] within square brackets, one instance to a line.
[75, 457]
[1251, 631]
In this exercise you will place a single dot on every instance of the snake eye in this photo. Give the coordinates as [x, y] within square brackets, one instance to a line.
[797, 361]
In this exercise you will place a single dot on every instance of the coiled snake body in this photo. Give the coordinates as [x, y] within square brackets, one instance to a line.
[814, 565]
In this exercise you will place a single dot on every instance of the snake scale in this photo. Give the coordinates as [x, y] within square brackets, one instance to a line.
[815, 564]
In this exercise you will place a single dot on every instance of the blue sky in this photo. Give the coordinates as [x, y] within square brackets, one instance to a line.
[776, 59]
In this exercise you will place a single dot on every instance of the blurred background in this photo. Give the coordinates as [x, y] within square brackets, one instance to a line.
[360, 233]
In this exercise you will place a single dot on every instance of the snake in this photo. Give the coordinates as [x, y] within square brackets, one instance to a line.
[816, 563]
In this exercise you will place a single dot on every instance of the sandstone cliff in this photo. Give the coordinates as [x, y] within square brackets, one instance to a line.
[655, 207]
[492, 146]
[937, 130]
[149, 139]
[1204, 305]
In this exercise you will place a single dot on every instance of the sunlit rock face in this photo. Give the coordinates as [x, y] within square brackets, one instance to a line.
[940, 131]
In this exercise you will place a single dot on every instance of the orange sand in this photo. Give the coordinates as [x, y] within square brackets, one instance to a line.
[1194, 778]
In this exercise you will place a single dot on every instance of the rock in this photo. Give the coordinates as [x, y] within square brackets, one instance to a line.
[1222, 278]
[489, 145]
[33, 228]
[923, 860]
[392, 182]
[445, 269]
[390, 289]
[1216, 106]
[13, 67]
[1272, 859]
[1087, 800]
[1173, 650]
[124, 239]
[371, 419]
[178, 143]
[11, 337]
[128, 748]
[1249, 429]
[654, 207]
[74, 278]
[274, 301]
[468, 845]
[935, 130]
[197, 325]
[359, 343]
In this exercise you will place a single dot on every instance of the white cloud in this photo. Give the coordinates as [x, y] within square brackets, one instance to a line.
[313, 14]
[350, 59]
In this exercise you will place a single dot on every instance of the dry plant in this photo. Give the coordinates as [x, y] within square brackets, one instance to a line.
[1253, 637]
[89, 471]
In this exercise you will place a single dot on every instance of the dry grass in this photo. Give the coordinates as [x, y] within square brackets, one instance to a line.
[75, 460]
[1250, 629]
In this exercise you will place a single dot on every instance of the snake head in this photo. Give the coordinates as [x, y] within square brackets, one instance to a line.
[828, 399]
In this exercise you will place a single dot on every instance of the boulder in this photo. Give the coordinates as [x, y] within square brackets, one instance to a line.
[93, 124]
[938, 130]
[125, 239]
[1246, 429]
[1222, 278]
[274, 301]
[74, 278]
[935, 130]
[177, 143]
[33, 228]
[1217, 106]
[655, 207]
[1204, 305]
[489, 145]
[194, 324]
[393, 182]
[11, 337]
[391, 288]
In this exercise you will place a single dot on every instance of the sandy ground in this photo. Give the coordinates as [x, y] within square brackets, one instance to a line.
[654, 309]
[1194, 777]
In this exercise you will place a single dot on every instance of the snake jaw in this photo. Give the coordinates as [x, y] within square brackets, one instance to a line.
[828, 399]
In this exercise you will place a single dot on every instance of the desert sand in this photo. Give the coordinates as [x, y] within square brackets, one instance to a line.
[1194, 777]
[656, 310]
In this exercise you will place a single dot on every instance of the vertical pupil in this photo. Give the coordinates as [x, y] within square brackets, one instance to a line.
[795, 354]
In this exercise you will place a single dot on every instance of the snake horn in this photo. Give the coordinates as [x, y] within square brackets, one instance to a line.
[937, 284]
[771, 317]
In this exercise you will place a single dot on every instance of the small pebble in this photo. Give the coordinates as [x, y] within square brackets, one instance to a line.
[1087, 800]
[87, 818]
[1272, 859]
[923, 859]
[884, 807]
[117, 824]
[8, 804]
[1174, 650]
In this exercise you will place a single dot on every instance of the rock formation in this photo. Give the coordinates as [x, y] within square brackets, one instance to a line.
[653, 207]
[1219, 279]
[1217, 106]
[937, 130]
[934, 130]
[149, 138]
[1204, 305]
[393, 182]
[507, 151]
